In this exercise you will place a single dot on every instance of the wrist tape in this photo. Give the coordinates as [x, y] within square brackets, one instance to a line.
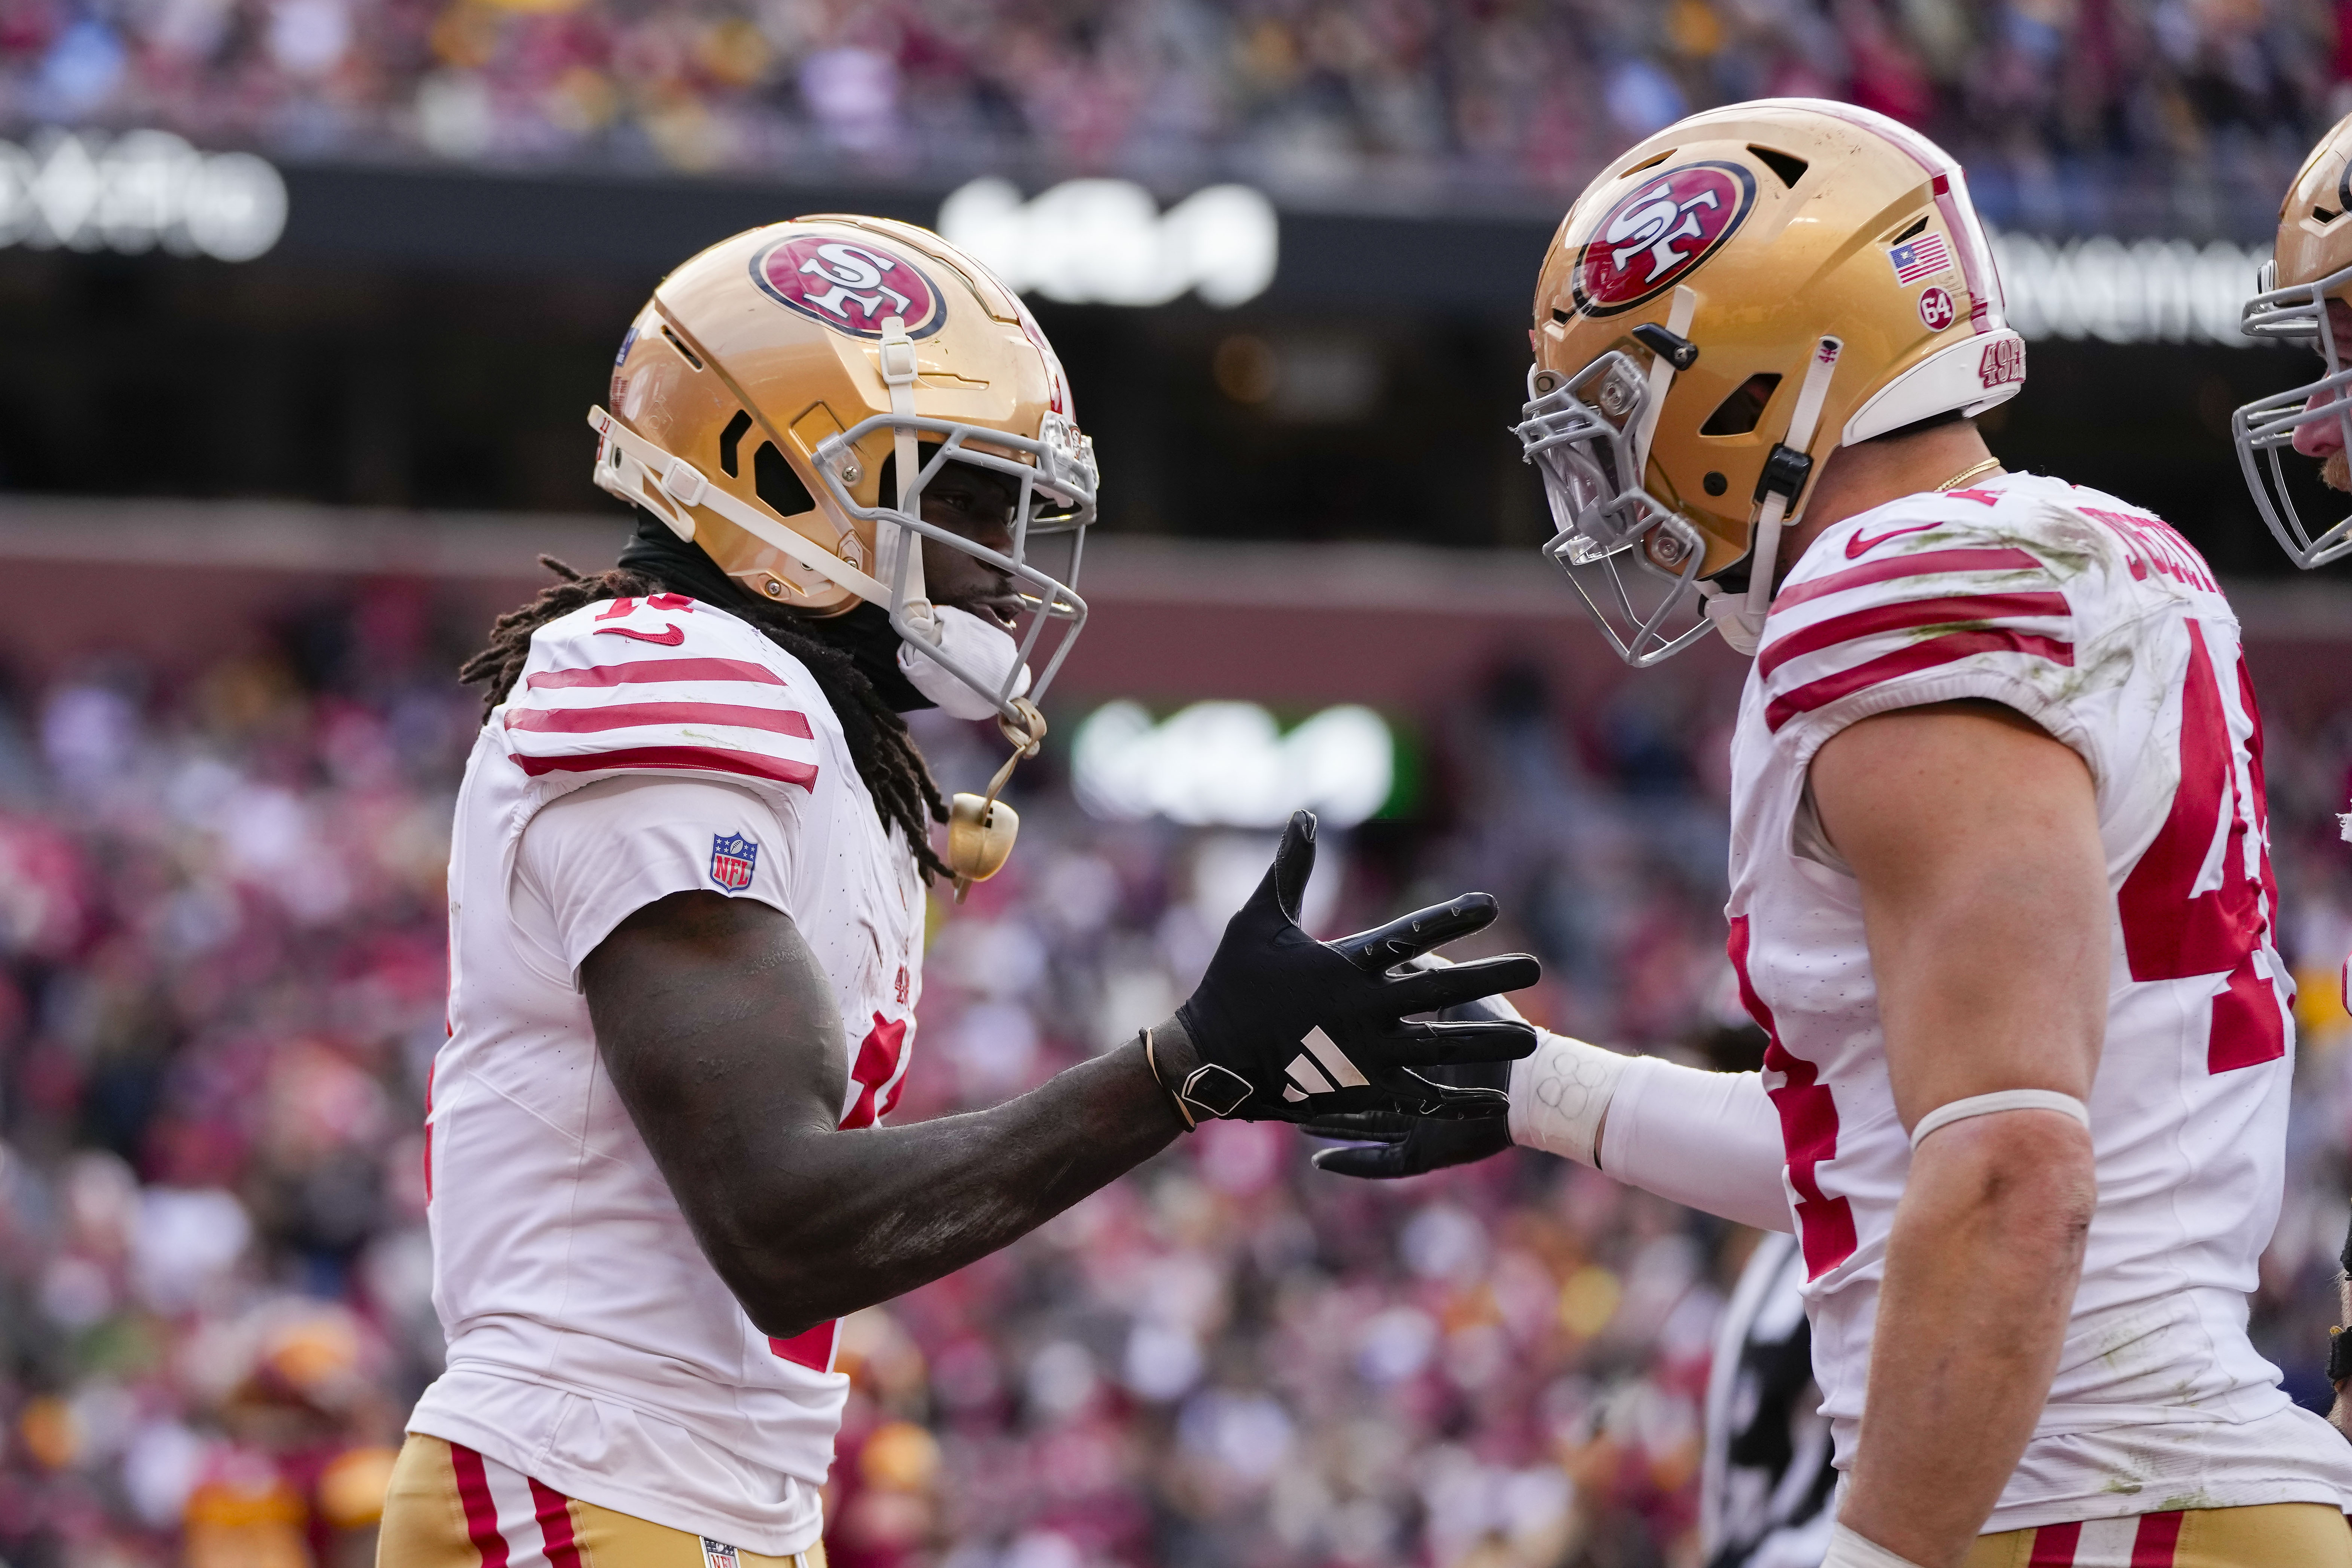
[1557, 1096]
[1848, 1550]
[2000, 1099]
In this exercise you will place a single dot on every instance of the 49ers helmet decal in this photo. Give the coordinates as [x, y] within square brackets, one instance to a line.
[1660, 232]
[850, 285]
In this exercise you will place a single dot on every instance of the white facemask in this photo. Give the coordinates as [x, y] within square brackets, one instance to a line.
[980, 646]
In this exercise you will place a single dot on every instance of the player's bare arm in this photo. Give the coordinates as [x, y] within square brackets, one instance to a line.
[1974, 839]
[723, 1041]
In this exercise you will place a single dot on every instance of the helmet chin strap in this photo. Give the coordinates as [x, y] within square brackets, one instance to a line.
[980, 828]
[1662, 373]
[901, 563]
[1741, 619]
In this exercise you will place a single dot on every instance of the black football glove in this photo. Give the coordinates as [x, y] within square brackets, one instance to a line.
[1382, 1145]
[1287, 1028]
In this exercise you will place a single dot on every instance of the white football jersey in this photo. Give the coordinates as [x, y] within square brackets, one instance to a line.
[650, 747]
[2103, 626]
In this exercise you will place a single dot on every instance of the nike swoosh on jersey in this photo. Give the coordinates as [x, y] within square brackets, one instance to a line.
[669, 637]
[1862, 544]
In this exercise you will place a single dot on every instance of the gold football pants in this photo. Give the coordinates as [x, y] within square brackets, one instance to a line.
[450, 1507]
[2276, 1535]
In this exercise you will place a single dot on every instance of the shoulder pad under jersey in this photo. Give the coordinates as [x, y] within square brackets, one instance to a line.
[662, 684]
[1973, 591]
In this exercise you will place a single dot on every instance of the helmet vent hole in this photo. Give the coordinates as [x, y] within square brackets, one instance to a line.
[679, 345]
[1919, 224]
[1738, 414]
[779, 489]
[1650, 163]
[729, 439]
[2323, 215]
[1789, 167]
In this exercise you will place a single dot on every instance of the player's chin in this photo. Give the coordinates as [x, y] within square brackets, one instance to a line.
[2336, 473]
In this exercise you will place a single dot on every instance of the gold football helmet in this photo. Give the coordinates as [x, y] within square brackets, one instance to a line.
[1730, 301]
[2311, 263]
[772, 381]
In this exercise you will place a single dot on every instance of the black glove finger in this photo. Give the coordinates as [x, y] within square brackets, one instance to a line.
[1450, 1115]
[1432, 990]
[1436, 1045]
[1371, 1161]
[1293, 862]
[1402, 940]
[1359, 1126]
[1470, 1075]
[1485, 1009]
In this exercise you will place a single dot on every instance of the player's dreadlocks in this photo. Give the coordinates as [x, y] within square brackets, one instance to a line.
[893, 769]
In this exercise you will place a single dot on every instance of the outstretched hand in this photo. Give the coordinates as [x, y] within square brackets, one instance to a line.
[1383, 1145]
[1284, 1027]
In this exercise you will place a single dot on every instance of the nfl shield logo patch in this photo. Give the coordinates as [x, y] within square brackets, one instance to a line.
[718, 1554]
[731, 859]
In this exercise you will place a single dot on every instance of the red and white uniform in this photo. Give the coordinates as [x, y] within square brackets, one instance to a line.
[651, 746]
[2103, 626]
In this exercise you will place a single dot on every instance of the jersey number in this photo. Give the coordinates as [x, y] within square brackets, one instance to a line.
[2173, 932]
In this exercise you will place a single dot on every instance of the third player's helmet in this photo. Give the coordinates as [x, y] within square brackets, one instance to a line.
[2311, 264]
[1734, 299]
[773, 381]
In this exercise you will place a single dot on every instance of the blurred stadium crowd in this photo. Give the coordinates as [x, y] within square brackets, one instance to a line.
[221, 913]
[2049, 102]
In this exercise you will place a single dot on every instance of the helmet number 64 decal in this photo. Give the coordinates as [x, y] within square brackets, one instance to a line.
[1670, 222]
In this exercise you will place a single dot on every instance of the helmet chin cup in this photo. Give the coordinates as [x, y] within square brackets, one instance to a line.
[2263, 431]
[980, 836]
[1730, 617]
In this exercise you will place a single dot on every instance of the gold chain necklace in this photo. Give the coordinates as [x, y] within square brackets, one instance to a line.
[1965, 475]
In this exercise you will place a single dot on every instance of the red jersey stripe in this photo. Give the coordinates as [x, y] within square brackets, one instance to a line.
[1903, 616]
[2000, 559]
[633, 715]
[810, 1348]
[554, 1513]
[750, 764]
[656, 670]
[1905, 661]
[481, 1509]
[1809, 1128]
[2053, 1545]
[2158, 1535]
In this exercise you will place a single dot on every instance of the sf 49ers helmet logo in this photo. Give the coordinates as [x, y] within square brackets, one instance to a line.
[1670, 223]
[852, 285]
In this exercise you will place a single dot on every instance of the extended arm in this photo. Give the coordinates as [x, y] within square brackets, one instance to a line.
[724, 1042]
[1974, 839]
[1710, 1140]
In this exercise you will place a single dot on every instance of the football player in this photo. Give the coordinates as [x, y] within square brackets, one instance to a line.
[1999, 891]
[687, 905]
[2305, 295]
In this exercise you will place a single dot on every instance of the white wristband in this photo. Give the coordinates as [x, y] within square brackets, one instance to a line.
[2000, 1099]
[1557, 1096]
[1848, 1550]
